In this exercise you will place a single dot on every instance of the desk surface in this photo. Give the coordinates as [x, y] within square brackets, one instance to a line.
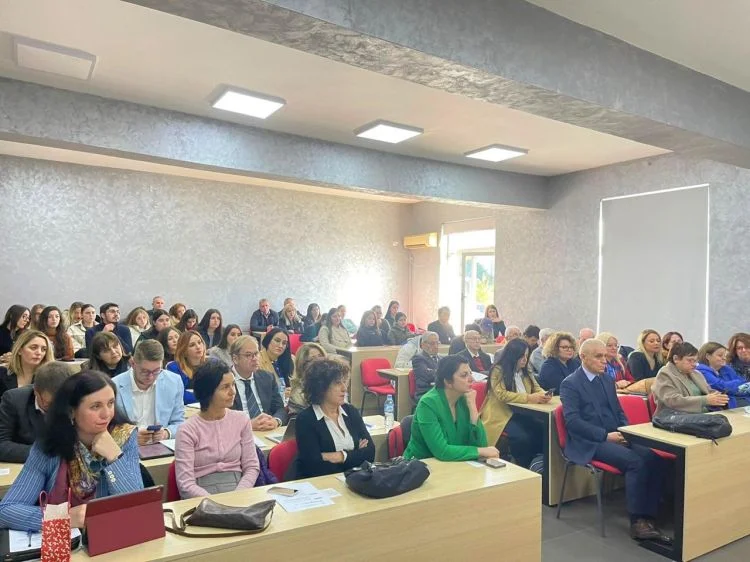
[549, 407]
[394, 373]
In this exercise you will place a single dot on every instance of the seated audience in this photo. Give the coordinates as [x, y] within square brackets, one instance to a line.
[36, 311]
[332, 333]
[399, 333]
[16, 320]
[331, 435]
[446, 423]
[22, 411]
[391, 311]
[215, 449]
[646, 360]
[305, 355]
[425, 364]
[583, 335]
[175, 313]
[50, 322]
[138, 322]
[407, 352]
[669, 339]
[531, 335]
[616, 368]
[479, 361]
[738, 354]
[189, 354]
[678, 386]
[289, 320]
[348, 325]
[87, 451]
[276, 357]
[31, 350]
[312, 317]
[442, 326]
[264, 318]
[148, 395]
[189, 321]
[107, 355]
[457, 344]
[512, 332]
[78, 330]
[498, 326]
[157, 303]
[511, 382]
[159, 322]
[110, 313]
[537, 356]
[311, 331]
[369, 334]
[298, 316]
[380, 322]
[210, 327]
[258, 394]
[712, 364]
[168, 339]
[221, 351]
[73, 314]
[592, 415]
[560, 350]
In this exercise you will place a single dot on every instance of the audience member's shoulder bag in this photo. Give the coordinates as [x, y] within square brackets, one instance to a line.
[706, 426]
[384, 480]
[245, 520]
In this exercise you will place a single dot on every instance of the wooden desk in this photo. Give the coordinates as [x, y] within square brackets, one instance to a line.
[411, 526]
[7, 480]
[710, 505]
[259, 335]
[403, 400]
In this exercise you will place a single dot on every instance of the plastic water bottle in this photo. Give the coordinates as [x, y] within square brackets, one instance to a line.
[388, 411]
[282, 390]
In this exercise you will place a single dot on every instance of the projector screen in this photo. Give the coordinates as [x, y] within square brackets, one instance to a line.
[653, 264]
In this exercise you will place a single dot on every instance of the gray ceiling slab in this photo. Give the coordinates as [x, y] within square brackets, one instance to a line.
[508, 52]
[37, 114]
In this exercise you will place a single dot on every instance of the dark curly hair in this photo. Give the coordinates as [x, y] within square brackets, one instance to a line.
[320, 375]
[207, 379]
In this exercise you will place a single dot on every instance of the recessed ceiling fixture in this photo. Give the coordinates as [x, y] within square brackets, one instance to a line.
[385, 131]
[248, 103]
[56, 59]
[496, 153]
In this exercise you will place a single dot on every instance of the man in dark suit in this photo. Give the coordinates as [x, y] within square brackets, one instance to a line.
[592, 415]
[479, 361]
[22, 411]
[264, 318]
[425, 364]
[257, 391]
[110, 313]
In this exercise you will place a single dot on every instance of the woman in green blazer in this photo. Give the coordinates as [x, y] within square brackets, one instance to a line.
[446, 423]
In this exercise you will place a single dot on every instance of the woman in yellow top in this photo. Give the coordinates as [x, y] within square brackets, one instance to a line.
[511, 382]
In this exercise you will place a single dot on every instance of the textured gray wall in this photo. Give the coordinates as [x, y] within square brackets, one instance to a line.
[74, 232]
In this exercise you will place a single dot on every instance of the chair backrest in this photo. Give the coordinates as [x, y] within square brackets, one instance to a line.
[412, 385]
[411, 327]
[635, 409]
[562, 432]
[652, 403]
[173, 492]
[481, 388]
[281, 456]
[294, 343]
[369, 369]
[398, 438]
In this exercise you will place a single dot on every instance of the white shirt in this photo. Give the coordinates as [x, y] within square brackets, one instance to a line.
[342, 439]
[241, 391]
[144, 404]
[520, 388]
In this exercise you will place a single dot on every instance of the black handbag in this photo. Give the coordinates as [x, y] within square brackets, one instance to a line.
[706, 426]
[247, 520]
[384, 480]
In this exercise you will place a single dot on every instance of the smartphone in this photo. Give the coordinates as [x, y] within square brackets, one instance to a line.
[153, 428]
[282, 491]
[550, 392]
[494, 463]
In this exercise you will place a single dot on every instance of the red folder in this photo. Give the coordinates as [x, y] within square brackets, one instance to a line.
[120, 521]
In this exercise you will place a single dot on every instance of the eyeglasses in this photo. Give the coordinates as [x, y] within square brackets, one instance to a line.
[250, 354]
[153, 373]
[565, 348]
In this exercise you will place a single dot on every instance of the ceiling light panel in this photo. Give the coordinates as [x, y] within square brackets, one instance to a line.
[248, 103]
[496, 153]
[55, 59]
[385, 131]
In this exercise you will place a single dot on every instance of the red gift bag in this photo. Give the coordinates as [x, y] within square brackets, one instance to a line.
[55, 530]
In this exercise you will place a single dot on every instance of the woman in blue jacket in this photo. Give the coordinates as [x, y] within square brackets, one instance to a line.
[560, 351]
[712, 364]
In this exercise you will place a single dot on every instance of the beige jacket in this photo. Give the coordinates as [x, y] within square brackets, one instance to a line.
[337, 336]
[495, 412]
[671, 391]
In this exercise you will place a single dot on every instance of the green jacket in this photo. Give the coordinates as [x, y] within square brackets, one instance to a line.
[434, 434]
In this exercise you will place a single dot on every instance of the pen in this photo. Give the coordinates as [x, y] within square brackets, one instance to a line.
[30, 533]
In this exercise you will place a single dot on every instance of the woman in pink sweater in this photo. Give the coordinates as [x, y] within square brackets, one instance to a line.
[215, 451]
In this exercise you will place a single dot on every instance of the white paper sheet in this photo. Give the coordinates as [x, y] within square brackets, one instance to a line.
[168, 443]
[476, 464]
[19, 541]
[196, 405]
[276, 437]
[330, 492]
[259, 442]
[4, 471]
[478, 377]
[307, 497]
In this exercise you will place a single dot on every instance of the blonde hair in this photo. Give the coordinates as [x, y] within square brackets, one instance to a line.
[550, 348]
[16, 364]
[604, 337]
[301, 358]
[655, 359]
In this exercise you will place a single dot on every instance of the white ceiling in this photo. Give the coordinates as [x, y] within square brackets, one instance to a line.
[710, 36]
[157, 59]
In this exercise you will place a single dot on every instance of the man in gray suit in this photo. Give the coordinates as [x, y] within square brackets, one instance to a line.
[22, 411]
[425, 364]
[257, 391]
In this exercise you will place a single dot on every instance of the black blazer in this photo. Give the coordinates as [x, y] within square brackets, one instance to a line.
[268, 392]
[553, 372]
[7, 380]
[484, 357]
[6, 342]
[370, 337]
[313, 438]
[20, 424]
[293, 327]
[639, 367]
[446, 335]
[425, 368]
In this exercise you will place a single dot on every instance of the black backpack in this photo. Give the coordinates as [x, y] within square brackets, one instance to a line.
[706, 426]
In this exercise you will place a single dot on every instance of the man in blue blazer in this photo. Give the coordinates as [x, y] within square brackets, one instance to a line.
[149, 395]
[592, 416]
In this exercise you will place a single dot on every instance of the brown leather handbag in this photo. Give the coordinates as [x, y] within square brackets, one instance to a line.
[246, 520]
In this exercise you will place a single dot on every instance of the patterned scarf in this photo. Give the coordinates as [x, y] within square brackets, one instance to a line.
[86, 467]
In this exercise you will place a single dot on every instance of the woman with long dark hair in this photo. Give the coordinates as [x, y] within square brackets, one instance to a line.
[332, 333]
[168, 339]
[51, 323]
[189, 321]
[16, 320]
[87, 450]
[511, 382]
[390, 313]
[369, 333]
[107, 355]
[210, 327]
[221, 351]
[276, 357]
[312, 316]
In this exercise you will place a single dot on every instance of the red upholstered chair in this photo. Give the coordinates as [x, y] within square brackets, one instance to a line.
[280, 457]
[294, 343]
[637, 412]
[398, 438]
[597, 468]
[651, 404]
[481, 388]
[412, 386]
[173, 492]
[372, 382]
[411, 328]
